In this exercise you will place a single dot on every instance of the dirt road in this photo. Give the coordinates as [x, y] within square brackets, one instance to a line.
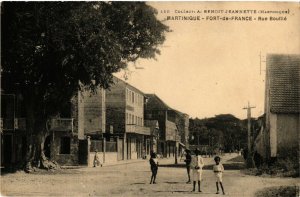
[133, 180]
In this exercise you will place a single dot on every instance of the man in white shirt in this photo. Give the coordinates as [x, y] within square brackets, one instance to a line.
[196, 166]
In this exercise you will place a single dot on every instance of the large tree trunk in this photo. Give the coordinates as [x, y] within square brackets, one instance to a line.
[36, 134]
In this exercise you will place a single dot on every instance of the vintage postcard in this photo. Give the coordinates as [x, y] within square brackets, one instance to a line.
[150, 98]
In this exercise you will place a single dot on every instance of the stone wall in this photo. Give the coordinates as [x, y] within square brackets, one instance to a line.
[64, 159]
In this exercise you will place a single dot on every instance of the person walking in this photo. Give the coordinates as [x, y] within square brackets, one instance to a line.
[197, 165]
[96, 159]
[188, 159]
[154, 167]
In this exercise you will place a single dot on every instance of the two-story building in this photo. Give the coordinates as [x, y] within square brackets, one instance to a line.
[169, 136]
[83, 117]
[125, 119]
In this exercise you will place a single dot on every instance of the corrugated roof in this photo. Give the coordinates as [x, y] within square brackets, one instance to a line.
[284, 83]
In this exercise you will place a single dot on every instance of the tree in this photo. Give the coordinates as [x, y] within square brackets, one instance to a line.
[223, 130]
[51, 50]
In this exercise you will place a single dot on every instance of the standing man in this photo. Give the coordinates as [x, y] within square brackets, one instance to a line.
[188, 159]
[197, 165]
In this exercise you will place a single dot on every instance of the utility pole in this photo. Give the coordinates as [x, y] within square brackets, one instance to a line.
[176, 146]
[249, 159]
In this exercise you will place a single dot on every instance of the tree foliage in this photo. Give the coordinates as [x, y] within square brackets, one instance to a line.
[48, 47]
[50, 50]
[223, 131]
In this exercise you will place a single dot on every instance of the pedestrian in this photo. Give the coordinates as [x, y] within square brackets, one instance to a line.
[196, 166]
[188, 159]
[154, 167]
[218, 170]
[96, 159]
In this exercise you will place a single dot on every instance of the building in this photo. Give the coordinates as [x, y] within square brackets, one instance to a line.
[125, 120]
[84, 117]
[282, 97]
[13, 130]
[172, 125]
[182, 122]
[67, 141]
[154, 133]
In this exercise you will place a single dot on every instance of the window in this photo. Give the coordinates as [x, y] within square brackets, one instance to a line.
[132, 95]
[65, 144]
[126, 118]
[132, 121]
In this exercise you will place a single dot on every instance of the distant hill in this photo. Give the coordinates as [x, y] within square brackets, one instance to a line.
[223, 131]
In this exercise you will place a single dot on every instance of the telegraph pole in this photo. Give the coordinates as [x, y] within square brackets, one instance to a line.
[249, 159]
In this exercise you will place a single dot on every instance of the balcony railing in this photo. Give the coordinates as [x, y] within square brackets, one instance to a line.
[57, 124]
[62, 124]
[7, 124]
[132, 128]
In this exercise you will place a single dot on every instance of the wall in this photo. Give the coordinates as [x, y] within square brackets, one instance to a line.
[288, 130]
[273, 134]
[134, 107]
[64, 159]
[77, 112]
[94, 111]
[115, 107]
[170, 131]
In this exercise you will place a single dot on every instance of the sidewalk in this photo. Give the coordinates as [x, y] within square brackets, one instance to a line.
[163, 161]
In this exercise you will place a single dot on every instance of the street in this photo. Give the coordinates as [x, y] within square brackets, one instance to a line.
[133, 180]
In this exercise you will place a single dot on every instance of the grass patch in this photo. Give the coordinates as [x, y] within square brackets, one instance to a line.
[282, 191]
[237, 159]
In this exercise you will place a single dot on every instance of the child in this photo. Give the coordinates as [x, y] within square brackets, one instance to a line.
[96, 159]
[197, 165]
[218, 170]
[154, 167]
[188, 159]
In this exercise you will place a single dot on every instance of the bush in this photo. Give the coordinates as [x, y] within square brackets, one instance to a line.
[282, 191]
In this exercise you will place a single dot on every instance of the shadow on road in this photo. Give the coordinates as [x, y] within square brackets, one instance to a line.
[138, 184]
[169, 182]
[227, 166]
[176, 191]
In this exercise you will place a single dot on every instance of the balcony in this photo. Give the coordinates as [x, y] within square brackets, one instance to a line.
[132, 128]
[9, 124]
[62, 124]
[20, 123]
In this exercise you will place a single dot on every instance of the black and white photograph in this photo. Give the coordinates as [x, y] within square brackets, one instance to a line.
[150, 98]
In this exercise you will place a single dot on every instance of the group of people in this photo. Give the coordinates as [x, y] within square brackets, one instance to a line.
[196, 164]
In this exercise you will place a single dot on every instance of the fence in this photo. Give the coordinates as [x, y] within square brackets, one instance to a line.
[96, 145]
[111, 147]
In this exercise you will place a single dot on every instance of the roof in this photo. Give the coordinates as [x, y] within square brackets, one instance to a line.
[155, 103]
[117, 80]
[284, 83]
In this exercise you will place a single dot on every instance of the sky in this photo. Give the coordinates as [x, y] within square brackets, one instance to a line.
[209, 67]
